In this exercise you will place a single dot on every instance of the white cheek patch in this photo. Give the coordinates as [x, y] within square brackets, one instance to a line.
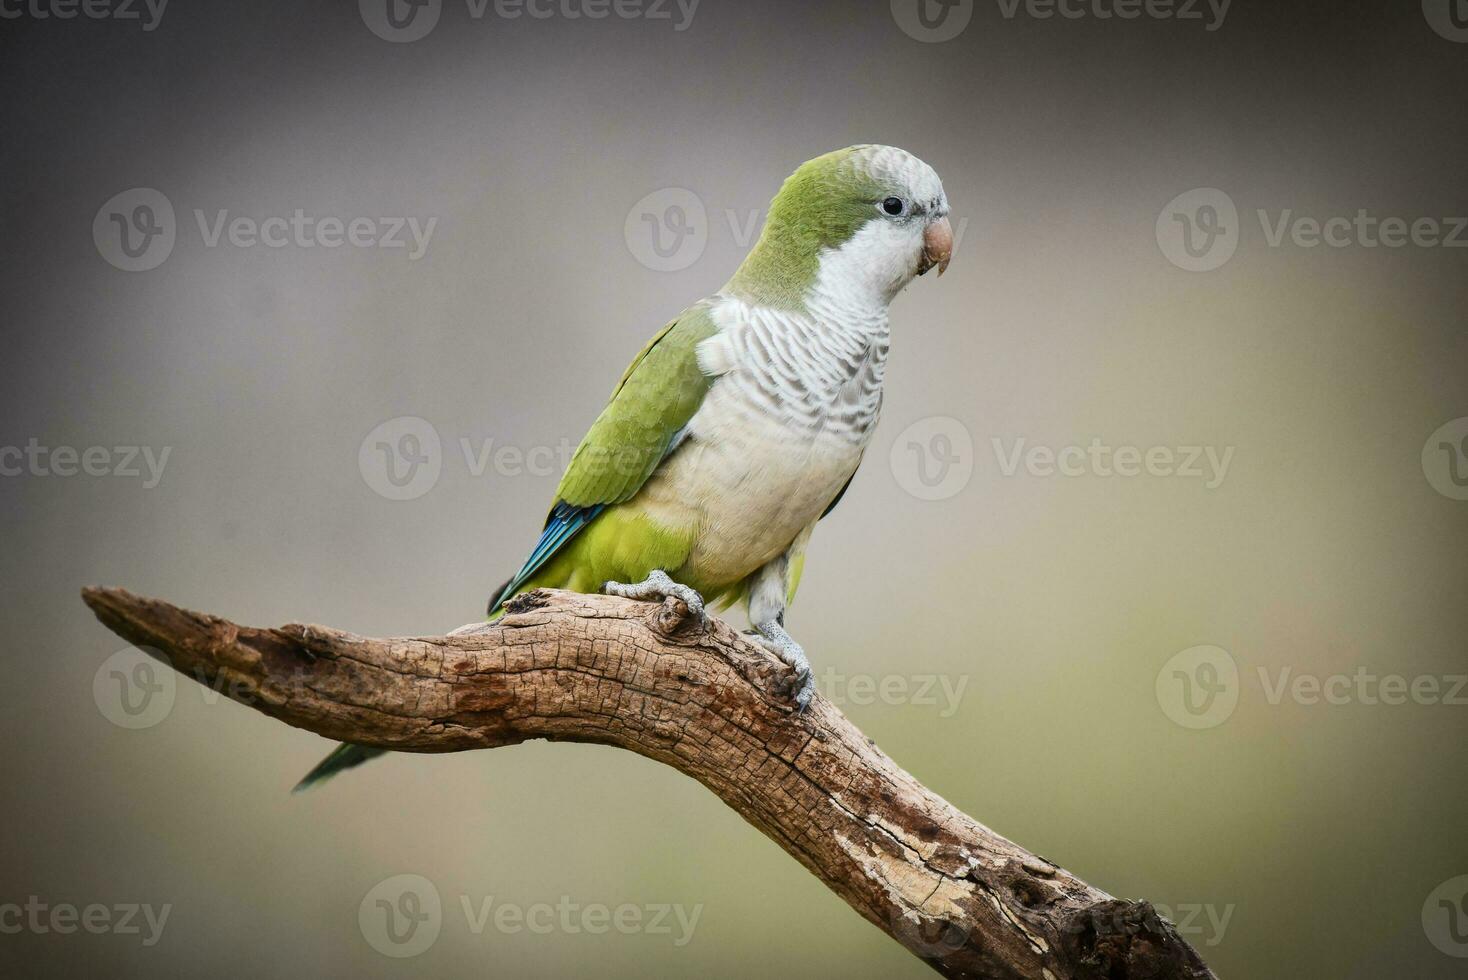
[875, 264]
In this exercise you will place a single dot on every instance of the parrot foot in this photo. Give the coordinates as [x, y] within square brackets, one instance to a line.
[802, 685]
[657, 587]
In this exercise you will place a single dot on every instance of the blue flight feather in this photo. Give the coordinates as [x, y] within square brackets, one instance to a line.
[564, 523]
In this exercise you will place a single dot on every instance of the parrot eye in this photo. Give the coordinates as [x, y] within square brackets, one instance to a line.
[893, 206]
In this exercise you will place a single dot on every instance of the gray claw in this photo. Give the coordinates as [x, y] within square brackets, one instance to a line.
[802, 685]
[657, 587]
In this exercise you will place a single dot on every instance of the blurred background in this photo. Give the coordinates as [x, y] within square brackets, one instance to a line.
[1166, 666]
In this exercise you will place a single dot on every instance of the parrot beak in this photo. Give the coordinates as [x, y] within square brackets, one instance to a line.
[937, 247]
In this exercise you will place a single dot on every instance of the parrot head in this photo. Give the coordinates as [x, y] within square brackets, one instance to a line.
[862, 222]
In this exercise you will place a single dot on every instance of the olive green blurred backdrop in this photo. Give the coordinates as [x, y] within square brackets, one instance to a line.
[1318, 831]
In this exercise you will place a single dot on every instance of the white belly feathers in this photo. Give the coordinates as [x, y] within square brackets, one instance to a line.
[779, 434]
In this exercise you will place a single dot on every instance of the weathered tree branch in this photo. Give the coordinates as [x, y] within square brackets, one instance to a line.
[654, 680]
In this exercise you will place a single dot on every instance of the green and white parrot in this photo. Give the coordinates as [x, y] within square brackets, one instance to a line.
[742, 422]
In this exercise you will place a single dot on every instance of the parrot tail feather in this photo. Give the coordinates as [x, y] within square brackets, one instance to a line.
[344, 756]
[497, 598]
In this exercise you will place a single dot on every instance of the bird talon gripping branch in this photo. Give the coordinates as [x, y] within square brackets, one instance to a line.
[657, 587]
[801, 685]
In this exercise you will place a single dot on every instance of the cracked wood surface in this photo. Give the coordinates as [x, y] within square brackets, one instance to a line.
[702, 699]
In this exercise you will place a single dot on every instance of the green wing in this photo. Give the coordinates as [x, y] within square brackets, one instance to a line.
[656, 397]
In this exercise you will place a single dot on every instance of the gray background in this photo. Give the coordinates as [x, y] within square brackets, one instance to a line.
[1319, 829]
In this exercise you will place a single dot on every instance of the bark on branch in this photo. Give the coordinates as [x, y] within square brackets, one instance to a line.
[703, 700]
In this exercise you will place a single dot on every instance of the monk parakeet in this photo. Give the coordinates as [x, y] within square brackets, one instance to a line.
[741, 424]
